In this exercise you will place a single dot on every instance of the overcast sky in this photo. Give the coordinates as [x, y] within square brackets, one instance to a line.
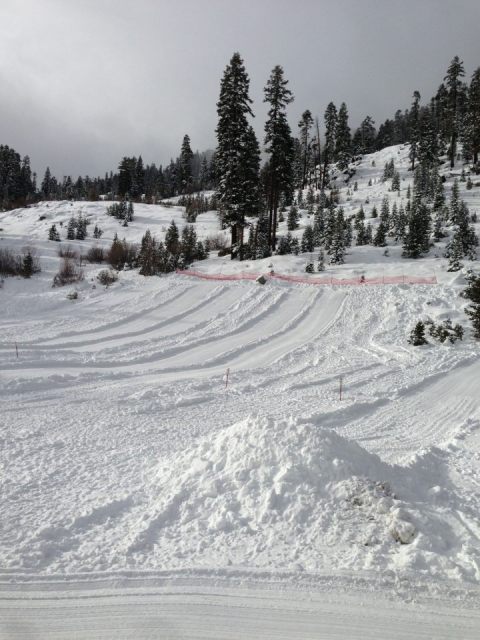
[85, 82]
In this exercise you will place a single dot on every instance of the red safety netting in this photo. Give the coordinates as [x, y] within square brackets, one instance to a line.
[317, 281]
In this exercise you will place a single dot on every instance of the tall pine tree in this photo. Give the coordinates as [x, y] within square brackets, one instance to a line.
[279, 144]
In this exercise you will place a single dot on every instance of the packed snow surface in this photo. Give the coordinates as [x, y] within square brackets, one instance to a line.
[126, 452]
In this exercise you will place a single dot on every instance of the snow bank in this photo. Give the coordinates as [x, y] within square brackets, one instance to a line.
[266, 493]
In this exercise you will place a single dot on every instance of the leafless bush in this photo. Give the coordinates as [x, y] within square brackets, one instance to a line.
[10, 263]
[68, 252]
[107, 277]
[95, 254]
[68, 274]
[216, 242]
[15, 264]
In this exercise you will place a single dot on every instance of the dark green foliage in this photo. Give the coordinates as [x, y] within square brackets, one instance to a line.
[417, 335]
[236, 158]
[330, 118]
[396, 181]
[17, 185]
[279, 146]
[172, 238]
[185, 166]
[472, 292]
[53, 233]
[343, 139]
[305, 152]
[122, 211]
[321, 261]
[388, 170]
[27, 266]
[285, 245]
[416, 240]
[71, 227]
[97, 232]
[471, 124]
[380, 239]
[336, 248]
[445, 331]
[308, 239]
[455, 99]
[292, 220]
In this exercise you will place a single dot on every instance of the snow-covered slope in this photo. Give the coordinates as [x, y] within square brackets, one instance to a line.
[124, 452]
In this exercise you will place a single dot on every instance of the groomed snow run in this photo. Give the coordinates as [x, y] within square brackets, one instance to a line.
[144, 495]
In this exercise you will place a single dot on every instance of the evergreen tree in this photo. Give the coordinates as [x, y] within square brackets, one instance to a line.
[343, 138]
[396, 181]
[321, 261]
[472, 292]
[185, 168]
[47, 185]
[380, 235]
[279, 144]
[147, 258]
[318, 226]
[455, 253]
[53, 233]
[417, 336]
[364, 138]
[337, 244]
[308, 239]
[414, 122]
[262, 238]
[81, 228]
[292, 219]
[416, 241]
[251, 172]
[71, 228]
[233, 109]
[455, 90]
[97, 232]
[331, 118]
[172, 239]
[471, 129]
[305, 125]
[27, 265]
[204, 174]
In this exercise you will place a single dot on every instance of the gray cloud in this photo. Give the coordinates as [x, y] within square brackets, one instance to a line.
[84, 83]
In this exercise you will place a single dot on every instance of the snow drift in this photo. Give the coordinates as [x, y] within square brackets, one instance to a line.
[266, 493]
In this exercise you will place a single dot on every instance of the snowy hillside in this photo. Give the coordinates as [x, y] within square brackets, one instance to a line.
[125, 450]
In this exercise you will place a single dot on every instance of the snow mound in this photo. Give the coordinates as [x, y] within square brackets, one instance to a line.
[284, 495]
[272, 492]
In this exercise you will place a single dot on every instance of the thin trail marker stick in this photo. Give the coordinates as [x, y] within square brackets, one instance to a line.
[226, 378]
[16, 349]
[341, 386]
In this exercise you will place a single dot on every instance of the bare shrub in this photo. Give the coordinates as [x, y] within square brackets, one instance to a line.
[121, 253]
[216, 242]
[10, 263]
[95, 254]
[107, 277]
[68, 273]
[68, 252]
[14, 264]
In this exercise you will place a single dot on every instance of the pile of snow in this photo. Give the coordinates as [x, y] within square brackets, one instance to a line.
[270, 494]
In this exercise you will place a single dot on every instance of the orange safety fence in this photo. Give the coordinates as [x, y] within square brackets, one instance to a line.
[317, 281]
